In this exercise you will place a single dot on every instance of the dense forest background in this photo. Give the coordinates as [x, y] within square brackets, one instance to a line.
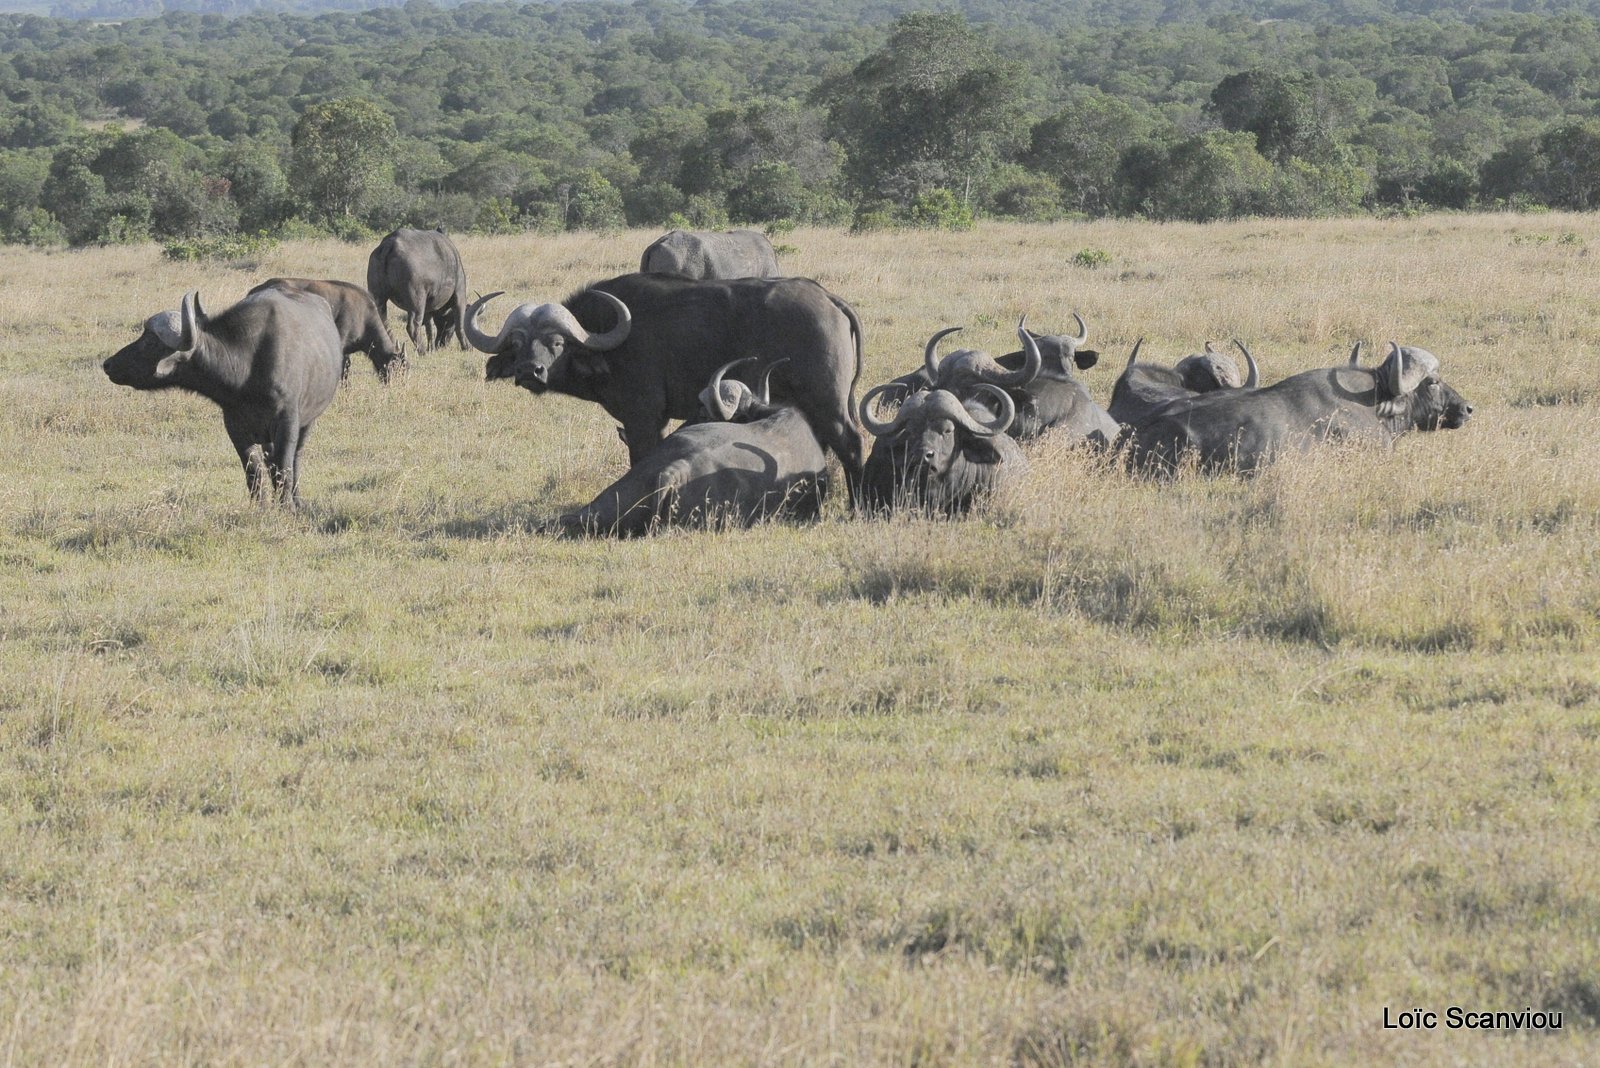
[190, 127]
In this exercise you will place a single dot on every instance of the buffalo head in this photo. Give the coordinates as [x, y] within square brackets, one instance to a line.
[157, 357]
[540, 344]
[933, 424]
[1062, 352]
[1412, 394]
[968, 367]
[735, 402]
[1211, 370]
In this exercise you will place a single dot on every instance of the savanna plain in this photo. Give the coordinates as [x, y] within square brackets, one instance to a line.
[1206, 772]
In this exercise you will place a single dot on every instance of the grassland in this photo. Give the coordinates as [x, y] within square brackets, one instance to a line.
[1201, 773]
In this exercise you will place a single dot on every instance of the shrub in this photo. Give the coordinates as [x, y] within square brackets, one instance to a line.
[237, 250]
[1091, 258]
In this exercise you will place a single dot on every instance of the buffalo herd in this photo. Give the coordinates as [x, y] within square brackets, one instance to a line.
[763, 370]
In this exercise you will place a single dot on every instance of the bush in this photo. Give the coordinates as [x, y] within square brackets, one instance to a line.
[1091, 258]
[237, 250]
[938, 209]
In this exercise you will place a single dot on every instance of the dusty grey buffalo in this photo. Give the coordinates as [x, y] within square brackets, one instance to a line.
[421, 271]
[1144, 388]
[1244, 429]
[939, 453]
[361, 328]
[758, 460]
[1039, 377]
[643, 345]
[271, 363]
[701, 254]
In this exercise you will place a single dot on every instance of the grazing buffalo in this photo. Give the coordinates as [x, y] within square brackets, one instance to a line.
[420, 270]
[1144, 388]
[938, 453]
[271, 363]
[1244, 429]
[361, 328]
[759, 460]
[700, 254]
[1039, 377]
[642, 346]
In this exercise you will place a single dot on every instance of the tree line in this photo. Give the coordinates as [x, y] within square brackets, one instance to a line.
[594, 115]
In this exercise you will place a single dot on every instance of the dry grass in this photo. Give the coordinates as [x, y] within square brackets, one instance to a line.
[1194, 774]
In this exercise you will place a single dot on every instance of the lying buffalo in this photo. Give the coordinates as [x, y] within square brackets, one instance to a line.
[1244, 429]
[421, 271]
[1144, 388]
[1039, 377]
[271, 363]
[760, 460]
[702, 254]
[939, 453]
[642, 346]
[361, 328]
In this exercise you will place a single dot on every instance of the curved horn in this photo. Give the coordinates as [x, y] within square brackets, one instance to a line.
[1396, 366]
[1253, 378]
[477, 338]
[1134, 355]
[929, 354]
[1032, 361]
[877, 428]
[611, 338]
[191, 315]
[1355, 356]
[766, 380]
[1083, 330]
[1008, 412]
[1211, 348]
[719, 406]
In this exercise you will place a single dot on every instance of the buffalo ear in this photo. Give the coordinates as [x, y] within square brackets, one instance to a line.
[169, 364]
[1085, 358]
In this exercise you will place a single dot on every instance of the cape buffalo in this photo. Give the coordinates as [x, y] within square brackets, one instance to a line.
[642, 345]
[1144, 388]
[760, 461]
[271, 363]
[1244, 429]
[701, 254]
[1046, 393]
[361, 328]
[420, 270]
[939, 453]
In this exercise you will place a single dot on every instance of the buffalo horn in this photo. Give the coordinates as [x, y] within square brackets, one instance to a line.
[766, 380]
[714, 390]
[876, 427]
[478, 339]
[1355, 356]
[611, 338]
[1134, 355]
[1396, 366]
[190, 310]
[1083, 330]
[1008, 412]
[1032, 360]
[930, 356]
[1253, 377]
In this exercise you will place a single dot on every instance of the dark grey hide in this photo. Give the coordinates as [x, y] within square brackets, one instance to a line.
[760, 460]
[940, 454]
[361, 328]
[1244, 429]
[271, 363]
[1049, 399]
[702, 254]
[421, 271]
[643, 345]
[1145, 388]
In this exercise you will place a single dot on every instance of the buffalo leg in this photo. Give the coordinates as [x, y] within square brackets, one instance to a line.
[285, 449]
[843, 439]
[256, 477]
[413, 320]
[642, 438]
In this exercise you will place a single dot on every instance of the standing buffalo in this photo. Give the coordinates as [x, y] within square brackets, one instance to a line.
[939, 453]
[642, 345]
[271, 363]
[1244, 429]
[361, 328]
[1039, 377]
[1144, 388]
[420, 270]
[701, 254]
[759, 461]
